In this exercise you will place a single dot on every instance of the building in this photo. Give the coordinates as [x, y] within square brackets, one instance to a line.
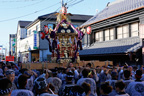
[117, 33]
[21, 34]
[33, 48]
[12, 42]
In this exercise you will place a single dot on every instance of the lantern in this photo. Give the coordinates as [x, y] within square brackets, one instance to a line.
[64, 10]
[88, 30]
[42, 35]
[46, 29]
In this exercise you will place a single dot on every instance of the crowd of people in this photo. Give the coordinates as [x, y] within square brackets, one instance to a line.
[71, 81]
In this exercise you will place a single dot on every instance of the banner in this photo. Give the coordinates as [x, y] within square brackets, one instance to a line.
[35, 40]
[9, 58]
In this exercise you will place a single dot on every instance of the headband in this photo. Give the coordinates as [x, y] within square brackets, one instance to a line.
[6, 91]
[10, 71]
[41, 83]
[69, 76]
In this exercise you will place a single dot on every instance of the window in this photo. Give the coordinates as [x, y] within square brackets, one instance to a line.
[50, 26]
[119, 33]
[134, 29]
[101, 36]
[37, 28]
[97, 36]
[26, 32]
[75, 26]
[107, 35]
[29, 32]
[112, 34]
[125, 31]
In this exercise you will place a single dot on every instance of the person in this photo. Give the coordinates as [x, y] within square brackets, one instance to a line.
[55, 81]
[88, 80]
[32, 75]
[5, 87]
[1, 75]
[114, 79]
[22, 91]
[88, 65]
[1, 70]
[120, 88]
[42, 88]
[76, 74]
[104, 75]
[19, 65]
[127, 79]
[142, 74]
[120, 74]
[105, 89]
[10, 74]
[112, 82]
[14, 67]
[66, 89]
[46, 73]
[71, 67]
[86, 88]
[136, 88]
[62, 75]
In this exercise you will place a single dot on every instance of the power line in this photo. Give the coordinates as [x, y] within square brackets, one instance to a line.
[76, 3]
[29, 13]
[25, 5]
[50, 16]
[71, 1]
[7, 1]
[40, 10]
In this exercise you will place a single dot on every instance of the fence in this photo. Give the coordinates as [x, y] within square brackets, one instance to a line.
[47, 65]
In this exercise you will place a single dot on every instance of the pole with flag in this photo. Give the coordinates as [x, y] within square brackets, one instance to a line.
[1, 48]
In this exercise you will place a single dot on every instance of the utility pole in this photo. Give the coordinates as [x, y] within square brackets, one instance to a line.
[1, 54]
[5, 53]
[62, 3]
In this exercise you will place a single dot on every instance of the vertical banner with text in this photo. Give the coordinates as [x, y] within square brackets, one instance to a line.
[35, 40]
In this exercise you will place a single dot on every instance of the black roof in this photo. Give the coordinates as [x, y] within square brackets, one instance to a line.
[124, 45]
[115, 8]
[74, 17]
[52, 16]
[23, 24]
[12, 35]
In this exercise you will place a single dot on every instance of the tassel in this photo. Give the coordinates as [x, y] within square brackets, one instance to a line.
[54, 44]
[52, 35]
[50, 48]
[79, 44]
[58, 55]
[82, 34]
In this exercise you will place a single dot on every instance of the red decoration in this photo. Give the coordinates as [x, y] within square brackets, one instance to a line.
[58, 46]
[52, 53]
[46, 29]
[64, 10]
[42, 35]
[89, 30]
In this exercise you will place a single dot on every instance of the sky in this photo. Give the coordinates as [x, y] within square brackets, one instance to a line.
[12, 11]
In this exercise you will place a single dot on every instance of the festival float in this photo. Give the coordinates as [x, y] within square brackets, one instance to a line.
[64, 40]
